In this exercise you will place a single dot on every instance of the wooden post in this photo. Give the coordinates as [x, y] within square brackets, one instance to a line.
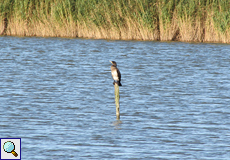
[117, 97]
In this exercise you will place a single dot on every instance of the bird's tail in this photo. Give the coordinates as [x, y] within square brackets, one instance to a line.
[119, 83]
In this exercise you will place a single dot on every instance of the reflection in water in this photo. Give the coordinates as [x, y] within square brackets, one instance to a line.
[117, 124]
[173, 101]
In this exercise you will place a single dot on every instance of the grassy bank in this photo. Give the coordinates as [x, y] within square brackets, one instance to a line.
[166, 20]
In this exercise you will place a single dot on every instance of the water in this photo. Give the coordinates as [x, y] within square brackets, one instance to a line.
[57, 95]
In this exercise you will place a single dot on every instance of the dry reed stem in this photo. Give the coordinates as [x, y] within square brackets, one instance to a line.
[187, 30]
[1, 26]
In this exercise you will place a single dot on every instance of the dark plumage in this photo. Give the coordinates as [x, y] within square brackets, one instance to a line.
[115, 73]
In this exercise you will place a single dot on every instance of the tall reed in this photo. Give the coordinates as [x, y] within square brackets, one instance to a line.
[166, 20]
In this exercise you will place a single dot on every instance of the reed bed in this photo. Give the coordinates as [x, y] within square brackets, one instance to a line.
[165, 20]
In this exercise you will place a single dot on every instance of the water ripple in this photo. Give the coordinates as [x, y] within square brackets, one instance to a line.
[57, 95]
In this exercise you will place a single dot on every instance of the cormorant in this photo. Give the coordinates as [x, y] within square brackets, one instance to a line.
[115, 73]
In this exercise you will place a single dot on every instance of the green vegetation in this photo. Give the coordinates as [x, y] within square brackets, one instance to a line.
[183, 20]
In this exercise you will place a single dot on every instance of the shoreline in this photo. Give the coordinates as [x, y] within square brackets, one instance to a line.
[114, 39]
[192, 42]
[87, 38]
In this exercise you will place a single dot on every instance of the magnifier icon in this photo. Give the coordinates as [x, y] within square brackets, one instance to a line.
[9, 147]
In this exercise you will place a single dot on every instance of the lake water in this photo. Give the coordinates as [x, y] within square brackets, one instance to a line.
[57, 95]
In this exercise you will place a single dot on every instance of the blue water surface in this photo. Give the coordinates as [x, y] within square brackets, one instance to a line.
[57, 95]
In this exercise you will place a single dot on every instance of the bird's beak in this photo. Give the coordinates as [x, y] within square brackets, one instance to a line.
[110, 61]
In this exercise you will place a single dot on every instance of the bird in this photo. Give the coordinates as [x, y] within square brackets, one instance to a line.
[115, 74]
